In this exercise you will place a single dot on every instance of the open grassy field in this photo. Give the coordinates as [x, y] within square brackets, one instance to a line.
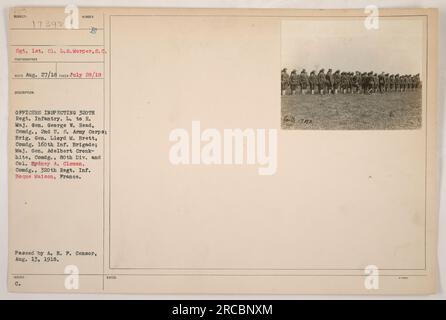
[391, 110]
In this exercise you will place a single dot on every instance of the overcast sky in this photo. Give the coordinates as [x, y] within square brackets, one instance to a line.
[396, 47]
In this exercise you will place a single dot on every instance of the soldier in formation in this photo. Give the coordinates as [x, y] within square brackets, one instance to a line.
[346, 82]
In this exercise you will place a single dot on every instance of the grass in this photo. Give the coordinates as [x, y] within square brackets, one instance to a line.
[391, 110]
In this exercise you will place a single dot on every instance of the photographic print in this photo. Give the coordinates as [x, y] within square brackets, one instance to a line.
[341, 75]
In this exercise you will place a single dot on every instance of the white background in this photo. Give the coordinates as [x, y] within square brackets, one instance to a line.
[302, 4]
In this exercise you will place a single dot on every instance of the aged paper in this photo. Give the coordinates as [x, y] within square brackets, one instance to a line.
[159, 151]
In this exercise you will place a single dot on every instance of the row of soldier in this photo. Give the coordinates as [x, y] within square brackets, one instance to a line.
[346, 82]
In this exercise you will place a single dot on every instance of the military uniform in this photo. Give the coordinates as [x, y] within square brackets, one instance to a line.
[371, 82]
[350, 82]
[336, 81]
[381, 82]
[285, 81]
[312, 80]
[356, 81]
[294, 81]
[417, 81]
[392, 82]
[303, 81]
[329, 81]
[344, 82]
[375, 82]
[386, 82]
[321, 81]
[364, 82]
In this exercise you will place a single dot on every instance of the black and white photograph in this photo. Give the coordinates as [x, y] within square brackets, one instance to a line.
[347, 75]
[147, 154]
